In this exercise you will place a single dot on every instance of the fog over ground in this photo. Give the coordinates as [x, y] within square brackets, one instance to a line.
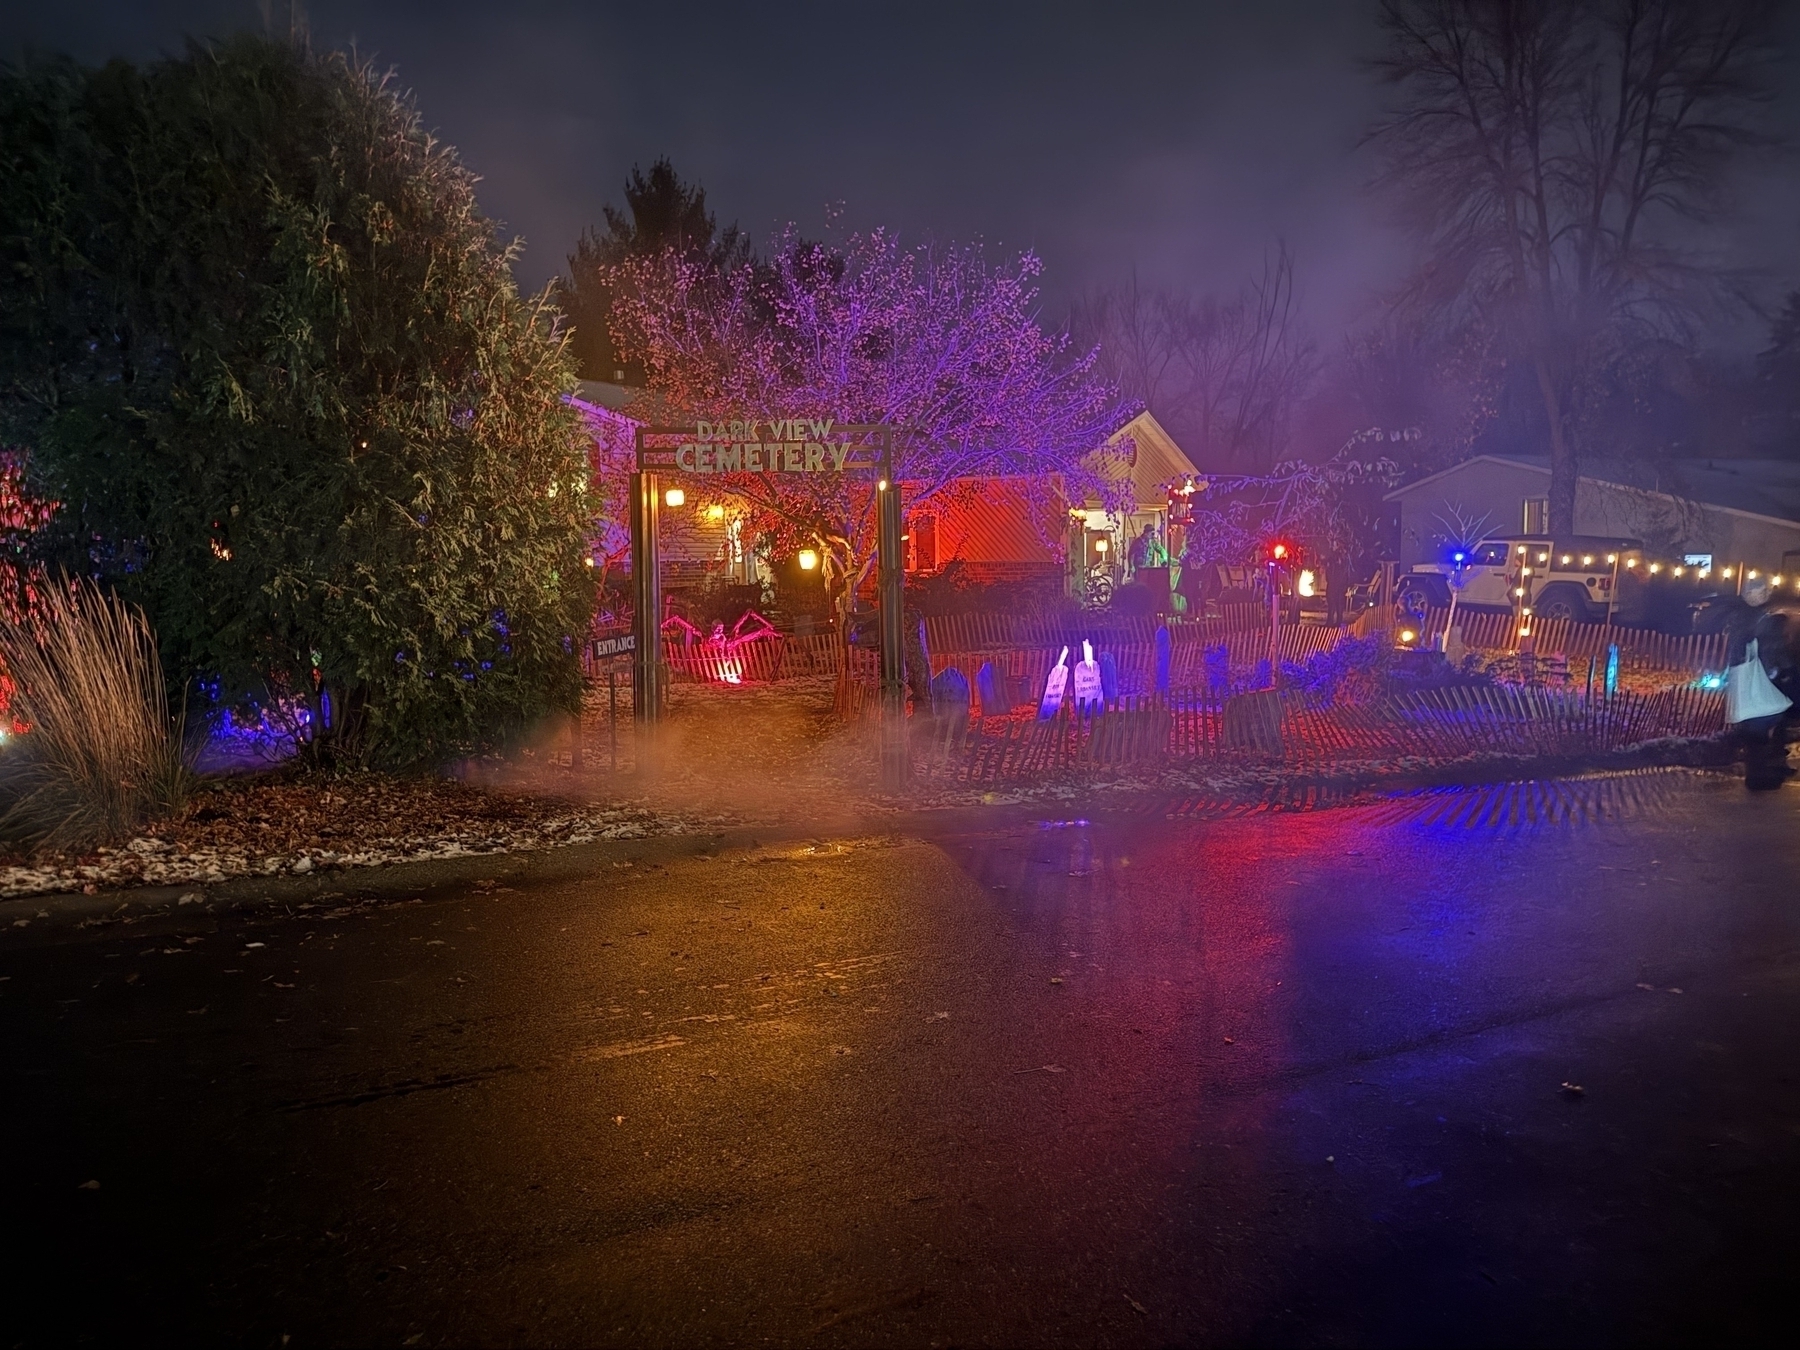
[1175, 141]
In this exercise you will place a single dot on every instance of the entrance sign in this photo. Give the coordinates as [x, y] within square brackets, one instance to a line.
[784, 445]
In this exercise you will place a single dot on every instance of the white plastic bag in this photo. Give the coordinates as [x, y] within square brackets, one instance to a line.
[1749, 692]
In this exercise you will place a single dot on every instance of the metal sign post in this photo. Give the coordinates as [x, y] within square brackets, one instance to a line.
[738, 450]
[890, 593]
[648, 672]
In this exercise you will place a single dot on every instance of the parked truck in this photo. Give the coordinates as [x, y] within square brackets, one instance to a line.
[1588, 578]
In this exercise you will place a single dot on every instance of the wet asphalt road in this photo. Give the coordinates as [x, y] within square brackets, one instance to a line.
[1284, 1078]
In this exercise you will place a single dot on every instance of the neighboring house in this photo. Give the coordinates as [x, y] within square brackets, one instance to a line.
[694, 544]
[1006, 529]
[1736, 511]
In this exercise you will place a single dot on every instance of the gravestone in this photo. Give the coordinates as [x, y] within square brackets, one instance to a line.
[1089, 696]
[990, 688]
[1109, 677]
[1054, 687]
[950, 694]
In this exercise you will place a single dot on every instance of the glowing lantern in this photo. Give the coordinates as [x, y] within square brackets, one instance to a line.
[715, 512]
[809, 559]
[675, 497]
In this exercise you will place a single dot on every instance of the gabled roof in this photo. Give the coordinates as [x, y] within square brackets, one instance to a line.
[1533, 462]
[1768, 489]
[1155, 460]
[603, 394]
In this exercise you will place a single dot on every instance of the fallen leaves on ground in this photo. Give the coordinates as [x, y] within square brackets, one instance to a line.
[237, 828]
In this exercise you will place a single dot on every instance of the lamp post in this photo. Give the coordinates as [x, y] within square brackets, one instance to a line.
[890, 587]
[1458, 578]
[1280, 553]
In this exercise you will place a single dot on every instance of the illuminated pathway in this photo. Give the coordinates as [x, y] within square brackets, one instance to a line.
[1280, 1078]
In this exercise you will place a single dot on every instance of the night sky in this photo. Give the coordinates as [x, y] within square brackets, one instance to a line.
[1175, 140]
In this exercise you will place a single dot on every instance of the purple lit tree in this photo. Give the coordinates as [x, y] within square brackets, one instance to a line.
[1238, 513]
[931, 340]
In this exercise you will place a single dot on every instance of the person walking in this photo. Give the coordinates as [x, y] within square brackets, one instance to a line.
[1762, 685]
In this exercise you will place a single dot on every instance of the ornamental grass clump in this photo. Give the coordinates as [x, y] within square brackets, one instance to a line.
[101, 754]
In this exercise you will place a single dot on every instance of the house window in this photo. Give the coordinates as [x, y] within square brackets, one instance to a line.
[1537, 515]
[922, 544]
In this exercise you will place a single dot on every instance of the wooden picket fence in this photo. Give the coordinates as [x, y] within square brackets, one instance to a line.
[1019, 641]
[958, 633]
[782, 656]
[1278, 729]
[1495, 632]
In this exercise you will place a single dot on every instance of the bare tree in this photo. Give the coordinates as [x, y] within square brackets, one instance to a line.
[1223, 375]
[1548, 155]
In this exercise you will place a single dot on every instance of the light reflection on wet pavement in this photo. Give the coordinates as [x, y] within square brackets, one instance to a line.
[1164, 1075]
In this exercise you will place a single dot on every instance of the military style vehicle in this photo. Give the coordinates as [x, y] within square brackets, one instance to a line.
[1582, 577]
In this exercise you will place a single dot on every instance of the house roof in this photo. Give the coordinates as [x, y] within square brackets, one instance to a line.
[1769, 488]
[603, 394]
[1155, 461]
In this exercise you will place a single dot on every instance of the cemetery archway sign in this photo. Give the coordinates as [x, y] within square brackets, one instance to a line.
[778, 448]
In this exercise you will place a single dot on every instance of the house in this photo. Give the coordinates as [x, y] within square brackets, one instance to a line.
[1728, 511]
[1007, 529]
[994, 529]
[695, 545]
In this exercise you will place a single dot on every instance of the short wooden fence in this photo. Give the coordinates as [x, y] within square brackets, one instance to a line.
[1284, 730]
